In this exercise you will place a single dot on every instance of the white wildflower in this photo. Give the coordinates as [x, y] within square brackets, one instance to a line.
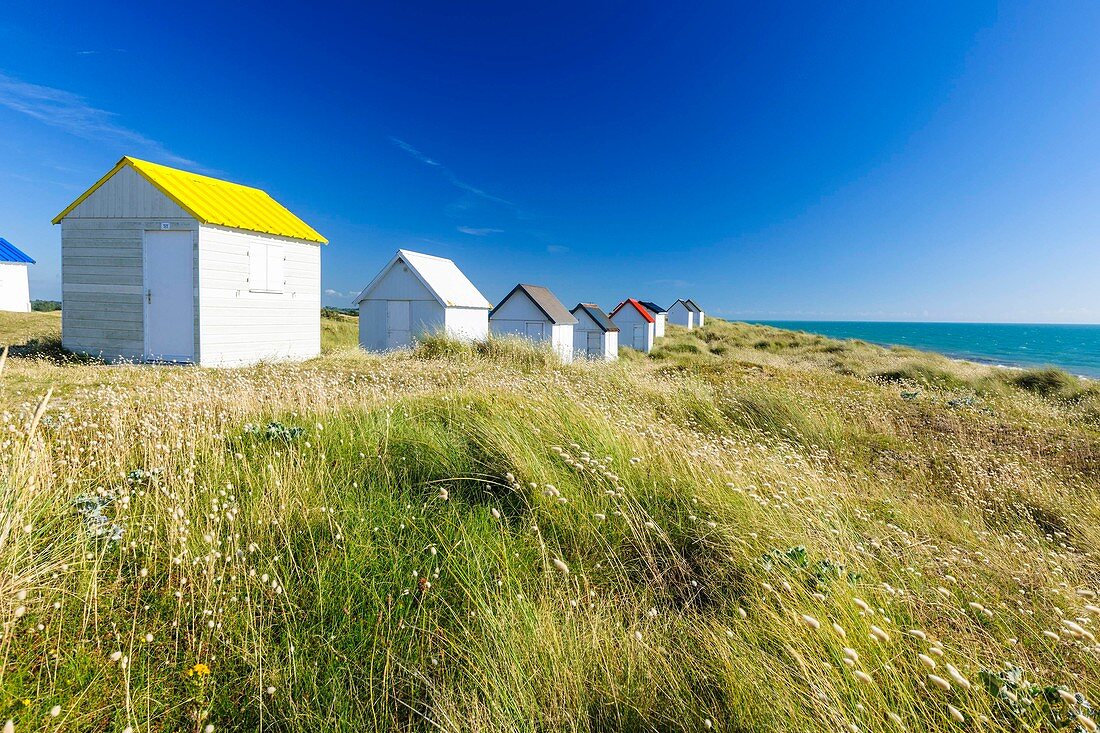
[939, 682]
[956, 675]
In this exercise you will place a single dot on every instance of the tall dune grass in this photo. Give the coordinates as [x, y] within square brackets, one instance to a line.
[725, 537]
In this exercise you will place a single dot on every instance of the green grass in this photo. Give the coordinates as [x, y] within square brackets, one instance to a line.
[476, 537]
[339, 331]
[19, 329]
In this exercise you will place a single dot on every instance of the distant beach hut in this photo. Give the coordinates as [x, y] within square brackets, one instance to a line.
[637, 326]
[15, 292]
[415, 295]
[594, 336]
[159, 264]
[700, 317]
[660, 316]
[682, 314]
[533, 312]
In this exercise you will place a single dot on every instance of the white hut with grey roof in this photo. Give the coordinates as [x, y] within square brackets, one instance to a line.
[700, 317]
[416, 295]
[595, 336]
[534, 313]
[681, 313]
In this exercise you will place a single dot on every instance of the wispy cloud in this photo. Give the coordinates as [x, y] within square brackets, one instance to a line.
[479, 231]
[455, 180]
[673, 282]
[414, 152]
[556, 249]
[73, 114]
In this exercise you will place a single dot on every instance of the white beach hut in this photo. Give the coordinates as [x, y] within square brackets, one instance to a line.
[700, 317]
[637, 326]
[158, 264]
[660, 316]
[15, 293]
[594, 336]
[418, 294]
[533, 312]
[682, 314]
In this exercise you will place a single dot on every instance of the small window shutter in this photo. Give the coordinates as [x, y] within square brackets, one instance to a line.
[257, 266]
[275, 268]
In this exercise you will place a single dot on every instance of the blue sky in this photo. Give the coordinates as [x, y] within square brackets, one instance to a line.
[923, 161]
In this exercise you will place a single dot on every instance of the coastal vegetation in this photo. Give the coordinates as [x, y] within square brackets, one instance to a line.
[749, 529]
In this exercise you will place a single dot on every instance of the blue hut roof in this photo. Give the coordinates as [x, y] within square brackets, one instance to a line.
[8, 253]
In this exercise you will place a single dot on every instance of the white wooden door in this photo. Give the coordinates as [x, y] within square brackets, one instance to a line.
[168, 264]
[533, 330]
[397, 324]
[595, 345]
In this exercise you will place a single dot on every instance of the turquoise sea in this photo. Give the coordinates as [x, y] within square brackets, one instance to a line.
[1075, 348]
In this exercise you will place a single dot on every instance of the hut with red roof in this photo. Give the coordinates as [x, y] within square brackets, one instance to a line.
[637, 326]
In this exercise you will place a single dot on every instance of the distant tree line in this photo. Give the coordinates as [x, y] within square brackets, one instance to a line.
[330, 311]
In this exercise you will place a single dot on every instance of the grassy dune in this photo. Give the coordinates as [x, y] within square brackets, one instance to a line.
[748, 530]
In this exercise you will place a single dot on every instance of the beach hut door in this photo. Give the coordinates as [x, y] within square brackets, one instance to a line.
[639, 343]
[397, 324]
[594, 339]
[168, 295]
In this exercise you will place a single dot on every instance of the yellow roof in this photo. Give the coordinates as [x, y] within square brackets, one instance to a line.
[213, 201]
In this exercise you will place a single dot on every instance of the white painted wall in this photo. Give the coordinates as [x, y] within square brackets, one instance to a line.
[425, 317]
[237, 324]
[561, 340]
[15, 294]
[659, 326]
[468, 324]
[101, 284]
[101, 265]
[627, 319]
[700, 318]
[128, 195]
[680, 315]
[611, 352]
